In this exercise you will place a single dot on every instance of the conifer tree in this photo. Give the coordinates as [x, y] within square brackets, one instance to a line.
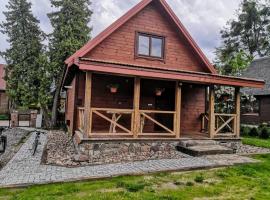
[27, 64]
[71, 32]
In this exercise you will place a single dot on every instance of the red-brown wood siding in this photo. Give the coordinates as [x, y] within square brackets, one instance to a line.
[193, 104]
[120, 46]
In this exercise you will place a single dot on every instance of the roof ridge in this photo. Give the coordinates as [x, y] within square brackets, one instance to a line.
[127, 16]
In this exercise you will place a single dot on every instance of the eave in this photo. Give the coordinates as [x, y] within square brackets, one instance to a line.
[168, 74]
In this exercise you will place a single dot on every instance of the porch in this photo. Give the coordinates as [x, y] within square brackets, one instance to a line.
[140, 108]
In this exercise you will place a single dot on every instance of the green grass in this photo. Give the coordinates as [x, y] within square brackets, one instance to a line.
[256, 142]
[250, 181]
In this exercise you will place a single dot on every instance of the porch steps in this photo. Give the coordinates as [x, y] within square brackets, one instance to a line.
[202, 148]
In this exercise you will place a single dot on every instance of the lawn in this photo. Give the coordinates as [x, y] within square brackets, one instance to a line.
[240, 182]
[256, 142]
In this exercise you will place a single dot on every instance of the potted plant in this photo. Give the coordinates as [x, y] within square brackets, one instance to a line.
[225, 97]
[159, 91]
[113, 88]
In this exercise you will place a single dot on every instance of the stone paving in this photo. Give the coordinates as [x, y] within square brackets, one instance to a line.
[24, 169]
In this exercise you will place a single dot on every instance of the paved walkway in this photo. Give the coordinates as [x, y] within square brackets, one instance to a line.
[24, 169]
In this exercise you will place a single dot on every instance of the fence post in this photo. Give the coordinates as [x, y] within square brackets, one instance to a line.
[14, 119]
[33, 118]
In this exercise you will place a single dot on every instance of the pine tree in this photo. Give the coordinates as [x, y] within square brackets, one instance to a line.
[71, 32]
[26, 60]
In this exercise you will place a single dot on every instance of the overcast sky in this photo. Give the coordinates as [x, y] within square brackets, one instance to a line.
[202, 18]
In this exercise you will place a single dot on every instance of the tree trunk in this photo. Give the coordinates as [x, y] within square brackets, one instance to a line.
[56, 99]
[55, 104]
[47, 121]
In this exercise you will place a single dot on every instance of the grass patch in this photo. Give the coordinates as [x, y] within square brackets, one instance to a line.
[250, 181]
[256, 142]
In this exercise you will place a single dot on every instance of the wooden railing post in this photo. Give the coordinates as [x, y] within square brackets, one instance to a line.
[211, 124]
[177, 116]
[136, 106]
[237, 111]
[87, 105]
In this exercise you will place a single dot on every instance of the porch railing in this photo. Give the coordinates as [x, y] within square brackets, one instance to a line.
[225, 124]
[81, 119]
[113, 116]
[146, 115]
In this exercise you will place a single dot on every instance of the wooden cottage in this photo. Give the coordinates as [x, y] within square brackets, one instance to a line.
[144, 77]
[259, 110]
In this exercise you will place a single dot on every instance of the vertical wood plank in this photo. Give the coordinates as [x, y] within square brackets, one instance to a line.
[211, 124]
[136, 106]
[177, 117]
[87, 105]
[238, 111]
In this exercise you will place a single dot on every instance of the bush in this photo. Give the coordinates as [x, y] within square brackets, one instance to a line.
[265, 133]
[131, 187]
[254, 132]
[245, 130]
[199, 179]
[189, 183]
[263, 125]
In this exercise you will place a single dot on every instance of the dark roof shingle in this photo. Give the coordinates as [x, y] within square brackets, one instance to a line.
[259, 69]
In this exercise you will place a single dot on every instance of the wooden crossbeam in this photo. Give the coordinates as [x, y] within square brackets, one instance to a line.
[156, 122]
[226, 123]
[111, 121]
[220, 117]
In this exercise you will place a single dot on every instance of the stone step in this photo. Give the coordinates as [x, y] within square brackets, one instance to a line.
[202, 149]
[189, 143]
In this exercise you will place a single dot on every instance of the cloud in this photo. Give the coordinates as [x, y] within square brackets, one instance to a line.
[203, 19]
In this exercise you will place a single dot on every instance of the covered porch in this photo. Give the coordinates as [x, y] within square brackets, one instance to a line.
[147, 108]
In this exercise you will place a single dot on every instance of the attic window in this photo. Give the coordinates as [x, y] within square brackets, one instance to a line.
[150, 46]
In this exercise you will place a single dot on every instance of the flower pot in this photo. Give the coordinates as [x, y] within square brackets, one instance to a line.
[113, 89]
[158, 93]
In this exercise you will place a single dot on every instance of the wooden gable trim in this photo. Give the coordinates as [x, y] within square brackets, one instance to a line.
[122, 20]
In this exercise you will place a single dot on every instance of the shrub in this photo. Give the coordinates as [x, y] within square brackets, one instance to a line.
[254, 132]
[265, 133]
[199, 179]
[132, 187]
[245, 130]
[263, 125]
[189, 183]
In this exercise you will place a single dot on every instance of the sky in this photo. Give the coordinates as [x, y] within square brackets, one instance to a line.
[203, 18]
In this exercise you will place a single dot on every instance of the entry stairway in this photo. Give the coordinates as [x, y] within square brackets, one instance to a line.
[202, 147]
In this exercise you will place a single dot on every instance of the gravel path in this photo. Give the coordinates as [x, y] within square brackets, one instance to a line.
[24, 169]
[15, 139]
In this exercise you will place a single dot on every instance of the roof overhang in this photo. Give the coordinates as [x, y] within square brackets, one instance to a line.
[168, 74]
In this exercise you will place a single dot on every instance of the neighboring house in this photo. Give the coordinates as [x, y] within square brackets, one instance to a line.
[145, 78]
[3, 97]
[260, 110]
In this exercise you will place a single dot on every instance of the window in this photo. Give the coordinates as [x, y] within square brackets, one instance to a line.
[150, 46]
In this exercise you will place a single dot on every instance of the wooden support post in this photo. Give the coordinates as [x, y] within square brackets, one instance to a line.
[211, 124]
[177, 116]
[237, 112]
[136, 105]
[87, 105]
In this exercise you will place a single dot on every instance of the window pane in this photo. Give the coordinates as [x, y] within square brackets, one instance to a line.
[143, 48]
[156, 47]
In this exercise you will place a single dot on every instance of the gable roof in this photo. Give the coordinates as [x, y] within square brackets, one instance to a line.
[2, 75]
[259, 68]
[131, 13]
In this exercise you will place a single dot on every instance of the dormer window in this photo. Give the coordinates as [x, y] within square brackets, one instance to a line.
[150, 46]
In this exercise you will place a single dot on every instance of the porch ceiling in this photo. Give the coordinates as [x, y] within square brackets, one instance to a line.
[169, 74]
